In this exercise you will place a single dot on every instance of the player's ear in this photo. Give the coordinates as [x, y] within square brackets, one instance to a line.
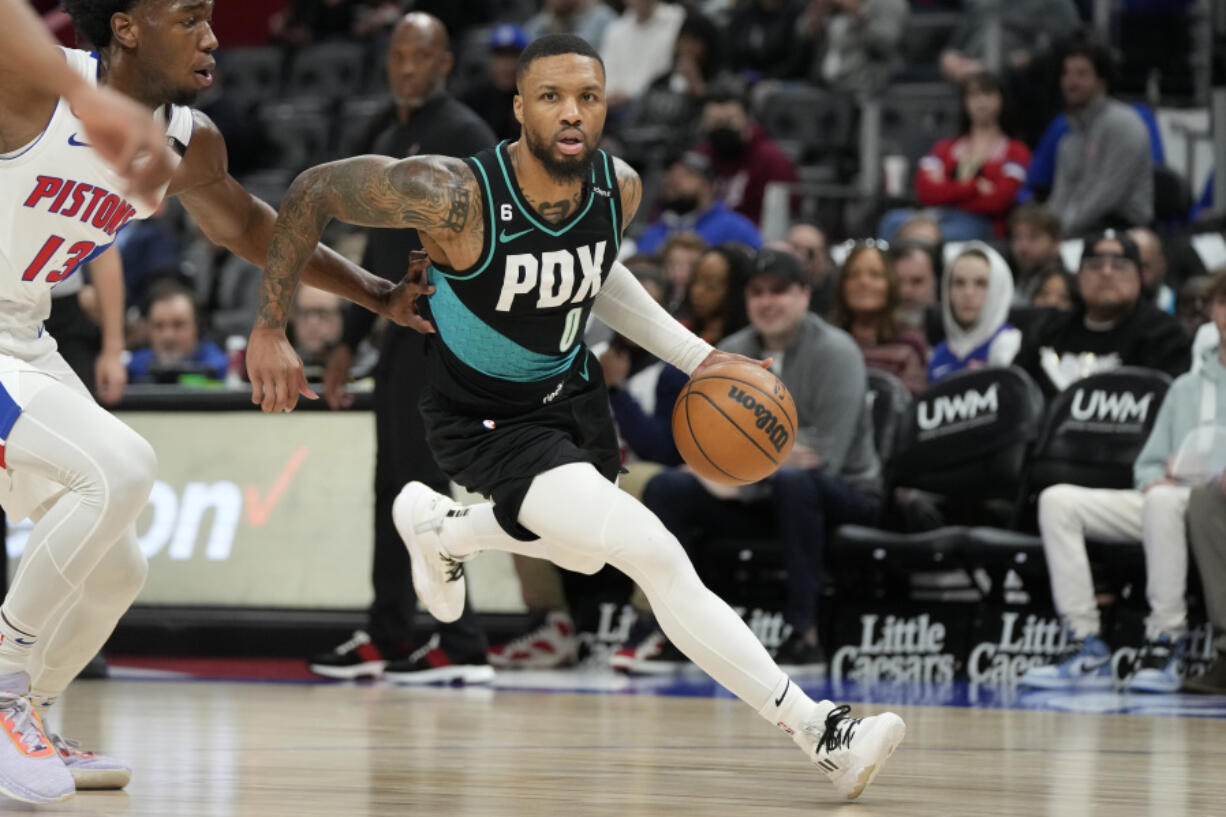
[448, 63]
[518, 105]
[124, 29]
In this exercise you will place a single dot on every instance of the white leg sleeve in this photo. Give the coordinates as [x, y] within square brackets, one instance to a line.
[1165, 537]
[586, 518]
[1067, 515]
[108, 471]
[82, 625]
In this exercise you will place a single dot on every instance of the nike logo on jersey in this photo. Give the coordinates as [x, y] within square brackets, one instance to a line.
[552, 276]
[76, 143]
[84, 202]
[503, 237]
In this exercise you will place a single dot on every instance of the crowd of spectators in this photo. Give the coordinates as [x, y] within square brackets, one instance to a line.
[1036, 234]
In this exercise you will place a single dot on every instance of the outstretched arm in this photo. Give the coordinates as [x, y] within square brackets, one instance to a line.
[120, 130]
[433, 194]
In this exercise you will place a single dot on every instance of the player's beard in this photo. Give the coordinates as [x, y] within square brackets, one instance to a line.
[562, 171]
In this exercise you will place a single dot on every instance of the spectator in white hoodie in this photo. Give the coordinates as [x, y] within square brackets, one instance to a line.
[977, 292]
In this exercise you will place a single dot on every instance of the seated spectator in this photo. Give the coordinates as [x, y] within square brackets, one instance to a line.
[583, 18]
[637, 47]
[763, 42]
[1153, 269]
[808, 243]
[745, 159]
[493, 98]
[1104, 173]
[316, 326]
[1207, 539]
[689, 204]
[1113, 325]
[921, 227]
[866, 307]
[1034, 243]
[715, 305]
[832, 476]
[680, 255]
[855, 42]
[1027, 27]
[674, 99]
[978, 290]
[1054, 288]
[175, 346]
[915, 268]
[973, 179]
[1154, 514]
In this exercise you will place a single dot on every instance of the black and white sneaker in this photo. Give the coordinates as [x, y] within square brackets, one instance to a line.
[851, 751]
[356, 658]
[431, 664]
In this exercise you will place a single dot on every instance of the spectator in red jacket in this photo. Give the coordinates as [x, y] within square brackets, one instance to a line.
[744, 157]
[971, 180]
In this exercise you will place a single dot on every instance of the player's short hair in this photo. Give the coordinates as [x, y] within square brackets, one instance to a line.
[92, 18]
[553, 45]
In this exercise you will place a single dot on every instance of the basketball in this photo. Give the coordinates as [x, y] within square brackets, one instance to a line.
[735, 423]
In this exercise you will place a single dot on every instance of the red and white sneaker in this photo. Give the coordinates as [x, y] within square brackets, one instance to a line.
[90, 770]
[649, 654]
[551, 645]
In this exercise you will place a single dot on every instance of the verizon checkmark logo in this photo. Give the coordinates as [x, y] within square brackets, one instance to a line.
[260, 508]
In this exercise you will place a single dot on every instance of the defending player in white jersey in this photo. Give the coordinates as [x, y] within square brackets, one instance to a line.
[77, 471]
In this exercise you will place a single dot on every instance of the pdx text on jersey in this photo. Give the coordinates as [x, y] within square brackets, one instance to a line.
[552, 276]
[73, 199]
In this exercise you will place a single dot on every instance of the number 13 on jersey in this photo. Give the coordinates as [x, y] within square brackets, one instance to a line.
[76, 254]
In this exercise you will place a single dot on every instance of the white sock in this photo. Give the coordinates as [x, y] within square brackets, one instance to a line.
[472, 529]
[789, 708]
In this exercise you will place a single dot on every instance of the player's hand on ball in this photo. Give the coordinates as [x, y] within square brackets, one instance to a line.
[718, 358]
[400, 305]
[275, 371]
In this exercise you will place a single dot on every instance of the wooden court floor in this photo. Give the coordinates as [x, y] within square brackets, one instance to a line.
[265, 750]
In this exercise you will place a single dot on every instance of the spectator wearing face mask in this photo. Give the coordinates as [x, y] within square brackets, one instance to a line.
[743, 156]
[688, 203]
[975, 309]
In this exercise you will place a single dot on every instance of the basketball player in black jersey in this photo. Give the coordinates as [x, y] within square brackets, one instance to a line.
[522, 240]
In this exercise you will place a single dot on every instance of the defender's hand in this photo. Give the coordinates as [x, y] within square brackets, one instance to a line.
[718, 358]
[400, 303]
[125, 134]
[275, 371]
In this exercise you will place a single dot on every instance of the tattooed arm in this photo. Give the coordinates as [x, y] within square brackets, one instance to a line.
[631, 189]
[436, 195]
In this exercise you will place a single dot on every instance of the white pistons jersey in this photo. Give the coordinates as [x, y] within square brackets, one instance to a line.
[60, 206]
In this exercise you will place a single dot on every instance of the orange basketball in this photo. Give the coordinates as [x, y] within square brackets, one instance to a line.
[735, 423]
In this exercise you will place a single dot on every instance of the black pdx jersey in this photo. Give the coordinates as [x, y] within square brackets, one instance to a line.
[511, 326]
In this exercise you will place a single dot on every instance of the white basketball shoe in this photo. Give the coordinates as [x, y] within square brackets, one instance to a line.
[851, 751]
[30, 767]
[438, 578]
[90, 770]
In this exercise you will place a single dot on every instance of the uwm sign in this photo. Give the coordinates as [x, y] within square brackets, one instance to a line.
[949, 412]
[1100, 409]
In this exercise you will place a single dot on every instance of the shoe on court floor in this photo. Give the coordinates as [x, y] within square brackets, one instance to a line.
[851, 751]
[1160, 666]
[1213, 681]
[430, 664]
[549, 645]
[1084, 664]
[418, 513]
[648, 652]
[30, 767]
[90, 770]
[356, 658]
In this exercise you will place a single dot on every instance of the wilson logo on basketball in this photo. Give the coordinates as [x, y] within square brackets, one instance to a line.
[765, 419]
